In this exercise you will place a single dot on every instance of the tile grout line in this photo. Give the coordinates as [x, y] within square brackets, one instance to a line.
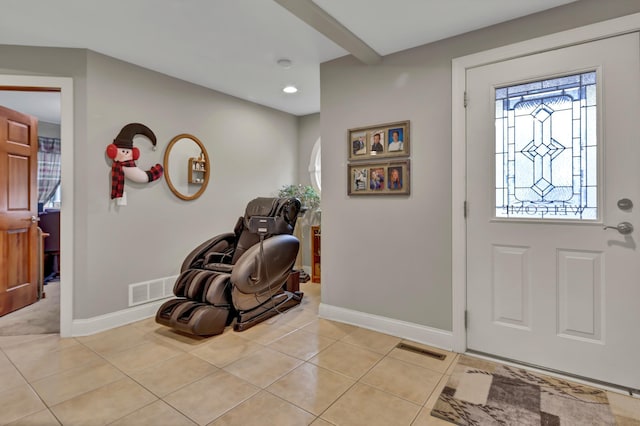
[358, 380]
[159, 398]
[29, 384]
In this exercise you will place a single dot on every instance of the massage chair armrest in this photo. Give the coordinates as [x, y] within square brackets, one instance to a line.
[219, 267]
[196, 258]
[217, 257]
[254, 271]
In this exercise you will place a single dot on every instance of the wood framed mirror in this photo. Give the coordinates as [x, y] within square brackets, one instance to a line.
[187, 167]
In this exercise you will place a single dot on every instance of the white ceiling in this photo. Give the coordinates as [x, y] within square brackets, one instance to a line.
[233, 46]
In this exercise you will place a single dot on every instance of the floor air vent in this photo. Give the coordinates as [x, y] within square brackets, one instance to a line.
[421, 351]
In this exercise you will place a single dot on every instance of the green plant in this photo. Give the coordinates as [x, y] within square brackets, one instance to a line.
[308, 196]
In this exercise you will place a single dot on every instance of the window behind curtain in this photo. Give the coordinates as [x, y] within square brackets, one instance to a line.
[48, 171]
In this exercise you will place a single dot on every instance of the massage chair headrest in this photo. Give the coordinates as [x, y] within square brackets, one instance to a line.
[285, 210]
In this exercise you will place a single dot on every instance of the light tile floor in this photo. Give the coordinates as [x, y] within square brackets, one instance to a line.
[293, 369]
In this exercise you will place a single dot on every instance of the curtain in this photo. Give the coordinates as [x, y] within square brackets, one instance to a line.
[48, 168]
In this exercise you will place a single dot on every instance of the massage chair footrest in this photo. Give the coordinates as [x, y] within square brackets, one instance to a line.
[247, 319]
[188, 316]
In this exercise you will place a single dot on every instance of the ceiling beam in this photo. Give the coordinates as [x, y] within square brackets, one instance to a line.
[314, 16]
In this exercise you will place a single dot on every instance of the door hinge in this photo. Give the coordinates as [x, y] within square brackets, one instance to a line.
[466, 319]
[465, 99]
[464, 208]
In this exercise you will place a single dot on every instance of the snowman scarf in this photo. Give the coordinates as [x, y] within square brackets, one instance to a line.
[117, 177]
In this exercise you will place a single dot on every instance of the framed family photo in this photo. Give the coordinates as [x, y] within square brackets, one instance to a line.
[379, 178]
[379, 141]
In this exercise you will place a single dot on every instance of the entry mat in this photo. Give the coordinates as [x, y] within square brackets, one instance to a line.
[483, 393]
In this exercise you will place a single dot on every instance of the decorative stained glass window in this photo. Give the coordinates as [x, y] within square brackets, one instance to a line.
[546, 149]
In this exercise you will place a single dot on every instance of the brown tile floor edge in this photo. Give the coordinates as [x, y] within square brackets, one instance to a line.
[294, 369]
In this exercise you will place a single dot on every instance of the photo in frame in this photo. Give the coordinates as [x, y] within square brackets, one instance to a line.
[379, 141]
[379, 178]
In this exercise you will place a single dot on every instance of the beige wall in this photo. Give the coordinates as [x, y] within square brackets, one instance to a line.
[253, 150]
[308, 134]
[385, 256]
[391, 256]
[48, 130]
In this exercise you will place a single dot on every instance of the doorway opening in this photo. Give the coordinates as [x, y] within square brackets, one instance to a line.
[57, 94]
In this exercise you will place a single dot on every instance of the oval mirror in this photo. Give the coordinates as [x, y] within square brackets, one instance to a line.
[187, 167]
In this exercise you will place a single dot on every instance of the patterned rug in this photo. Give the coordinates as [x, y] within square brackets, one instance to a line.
[482, 393]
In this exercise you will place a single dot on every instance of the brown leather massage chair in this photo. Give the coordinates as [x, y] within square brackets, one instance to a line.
[238, 277]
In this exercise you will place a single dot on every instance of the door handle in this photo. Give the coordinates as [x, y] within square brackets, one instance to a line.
[33, 219]
[625, 228]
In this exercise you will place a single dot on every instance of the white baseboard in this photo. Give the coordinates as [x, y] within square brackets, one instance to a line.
[86, 327]
[406, 330]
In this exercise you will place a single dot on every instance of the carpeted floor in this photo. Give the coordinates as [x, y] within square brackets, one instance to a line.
[42, 317]
[483, 393]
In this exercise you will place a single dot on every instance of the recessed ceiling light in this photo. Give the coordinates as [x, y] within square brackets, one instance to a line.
[290, 89]
[284, 63]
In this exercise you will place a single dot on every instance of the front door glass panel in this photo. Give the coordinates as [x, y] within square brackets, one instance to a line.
[546, 149]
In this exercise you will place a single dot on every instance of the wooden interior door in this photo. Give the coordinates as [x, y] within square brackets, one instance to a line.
[18, 210]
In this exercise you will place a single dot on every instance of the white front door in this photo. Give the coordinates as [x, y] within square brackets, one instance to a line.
[553, 156]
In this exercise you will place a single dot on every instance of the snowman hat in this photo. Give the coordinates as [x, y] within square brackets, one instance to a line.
[125, 137]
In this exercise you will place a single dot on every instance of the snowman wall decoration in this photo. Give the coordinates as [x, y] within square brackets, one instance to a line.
[124, 156]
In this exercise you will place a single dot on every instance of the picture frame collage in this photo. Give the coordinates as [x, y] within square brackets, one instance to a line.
[379, 159]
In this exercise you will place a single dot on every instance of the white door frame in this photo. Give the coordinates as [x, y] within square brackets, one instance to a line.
[65, 84]
[460, 65]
